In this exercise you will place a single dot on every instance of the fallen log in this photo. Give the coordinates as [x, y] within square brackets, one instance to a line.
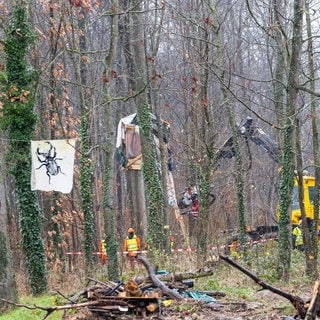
[155, 280]
[84, 292]
[296, 301]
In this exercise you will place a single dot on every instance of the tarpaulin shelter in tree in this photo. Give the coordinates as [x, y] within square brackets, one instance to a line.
[128, 141]
[128, 146]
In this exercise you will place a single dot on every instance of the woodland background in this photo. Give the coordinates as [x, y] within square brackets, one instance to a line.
[201, 65]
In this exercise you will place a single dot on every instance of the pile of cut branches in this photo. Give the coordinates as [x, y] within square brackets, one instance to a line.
[141, 297]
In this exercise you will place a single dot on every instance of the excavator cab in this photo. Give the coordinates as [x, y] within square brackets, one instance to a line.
[308, 193]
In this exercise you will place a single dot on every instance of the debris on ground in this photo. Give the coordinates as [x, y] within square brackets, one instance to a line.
[163, 295]
[143, 296]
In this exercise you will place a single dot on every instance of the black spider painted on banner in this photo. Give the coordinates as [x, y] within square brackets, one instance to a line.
[49, 159]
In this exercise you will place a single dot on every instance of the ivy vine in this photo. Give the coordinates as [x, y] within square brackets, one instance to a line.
[19, 120]
[85, 179]
[150, 173]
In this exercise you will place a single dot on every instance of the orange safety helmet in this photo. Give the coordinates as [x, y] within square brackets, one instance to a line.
[130, 230]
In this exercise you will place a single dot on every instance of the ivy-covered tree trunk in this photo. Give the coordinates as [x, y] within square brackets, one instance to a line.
[287, 173]
[154, 193]
[19, 120]
[154, 99]
[85, 170]
[285, 198]
[155, 200]
[86, 194]
[239, 186]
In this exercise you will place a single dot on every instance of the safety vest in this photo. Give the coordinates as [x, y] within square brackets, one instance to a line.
[298, 233]
[103, 246]
[132, 244]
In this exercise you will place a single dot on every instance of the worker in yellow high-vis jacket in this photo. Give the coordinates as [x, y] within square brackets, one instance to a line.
[297, 237]
[132, 246]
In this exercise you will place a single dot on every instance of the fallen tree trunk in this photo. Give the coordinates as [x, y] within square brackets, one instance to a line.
[173, 277]
[155, 280]
[296, 301]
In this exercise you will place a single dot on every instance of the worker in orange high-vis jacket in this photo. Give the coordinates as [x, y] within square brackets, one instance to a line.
[103, 251]
[132, 244]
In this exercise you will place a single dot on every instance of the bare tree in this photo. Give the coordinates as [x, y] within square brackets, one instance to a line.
[109, 208]
[312, 250]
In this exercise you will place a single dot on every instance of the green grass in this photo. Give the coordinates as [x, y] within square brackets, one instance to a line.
[21, 313]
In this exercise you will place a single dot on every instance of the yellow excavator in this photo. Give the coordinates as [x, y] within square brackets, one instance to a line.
[250, 132]
[308, 194]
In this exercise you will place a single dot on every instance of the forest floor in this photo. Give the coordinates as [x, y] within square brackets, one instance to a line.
[243, 298]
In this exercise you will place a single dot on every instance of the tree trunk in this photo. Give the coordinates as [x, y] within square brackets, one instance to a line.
[287, 173]
[150, 172]
[85, 169]
[239, 173]
[305, 229]
[8, 289]
[313, 259]
[20, 119]
[109, 210]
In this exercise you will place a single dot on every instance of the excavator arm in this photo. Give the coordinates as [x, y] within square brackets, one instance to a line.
[250, 132]
[260, 138]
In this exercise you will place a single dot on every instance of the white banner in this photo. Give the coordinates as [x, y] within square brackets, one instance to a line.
[52, 165]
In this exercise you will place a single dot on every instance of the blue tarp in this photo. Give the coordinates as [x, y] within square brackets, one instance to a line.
[198, 296]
